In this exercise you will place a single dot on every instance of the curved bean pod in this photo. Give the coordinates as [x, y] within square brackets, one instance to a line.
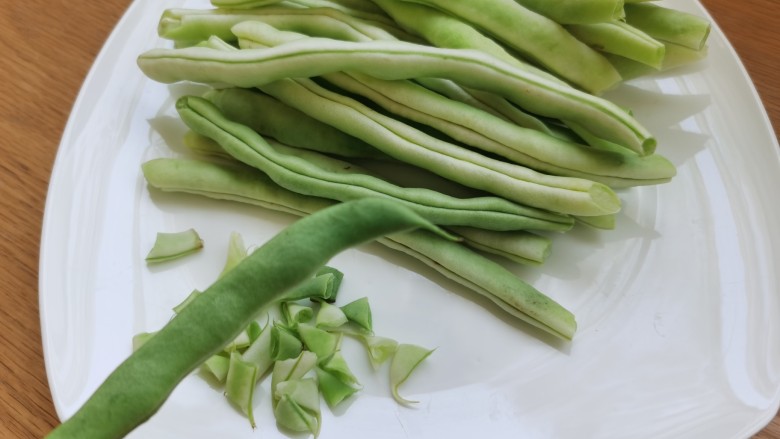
[314, 174]
[397, 60]
[136, 389]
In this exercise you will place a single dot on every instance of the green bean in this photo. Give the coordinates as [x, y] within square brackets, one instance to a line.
[669, 25]
[453, 260]
[310, 173]
[270, 117]
[187, 25]
[535, 37]
[489, 279]
[622, 39]
[577, 11]
[397, 60]
[136, 389]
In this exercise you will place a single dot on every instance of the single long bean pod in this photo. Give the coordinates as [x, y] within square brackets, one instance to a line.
[485, 277]
[489, 279]
[314, 174]
[537, 38]
[577, 11]
[136, 389]
[187, 25]
[397, 60]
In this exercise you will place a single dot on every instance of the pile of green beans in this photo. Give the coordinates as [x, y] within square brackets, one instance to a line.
[501, 97]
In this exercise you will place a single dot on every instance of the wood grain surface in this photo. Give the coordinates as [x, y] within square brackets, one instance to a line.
[48, 48]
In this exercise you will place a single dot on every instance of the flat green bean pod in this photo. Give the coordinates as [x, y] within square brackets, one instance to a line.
[192, 25]
[136, 389]
[397, 60]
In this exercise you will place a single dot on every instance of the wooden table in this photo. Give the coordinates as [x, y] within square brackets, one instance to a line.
[48, 48]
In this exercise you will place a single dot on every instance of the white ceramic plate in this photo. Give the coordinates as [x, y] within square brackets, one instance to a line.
[679, 317]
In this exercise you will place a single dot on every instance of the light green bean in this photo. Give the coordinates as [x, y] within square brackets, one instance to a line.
[397, 60]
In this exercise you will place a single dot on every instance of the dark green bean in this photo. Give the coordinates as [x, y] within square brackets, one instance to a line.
[136, 389]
